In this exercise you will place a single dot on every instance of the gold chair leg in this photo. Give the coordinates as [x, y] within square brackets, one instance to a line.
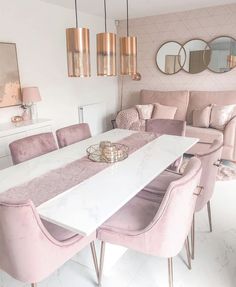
[193, 238]
[102, 254]
[187, 247]
[95, 260]
[209, 215]
[170, 271]
[33, 285]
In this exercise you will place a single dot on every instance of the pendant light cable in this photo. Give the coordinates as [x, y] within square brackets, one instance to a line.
[105, 13]
[127, 6]
[76, 14]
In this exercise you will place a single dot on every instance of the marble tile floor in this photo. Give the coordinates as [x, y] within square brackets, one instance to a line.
[214, 266]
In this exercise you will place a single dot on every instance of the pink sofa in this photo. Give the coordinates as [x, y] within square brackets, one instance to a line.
[186, 102]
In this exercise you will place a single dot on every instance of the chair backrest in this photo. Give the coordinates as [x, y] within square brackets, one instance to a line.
[169, 127]
[210, 161]
[32, 146]
[25, 244]
[166, 126]
[172, 223]
[72, 134]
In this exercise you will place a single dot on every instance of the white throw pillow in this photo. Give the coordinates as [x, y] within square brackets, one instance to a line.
[221, 115]
[145, 111]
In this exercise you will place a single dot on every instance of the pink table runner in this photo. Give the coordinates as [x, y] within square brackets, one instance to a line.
[51, 184]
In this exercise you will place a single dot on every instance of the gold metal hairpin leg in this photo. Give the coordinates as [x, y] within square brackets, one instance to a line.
[193, 238]
[95, 260]
[187, 247]
[209, 215]
[102, 254]
[170, 271]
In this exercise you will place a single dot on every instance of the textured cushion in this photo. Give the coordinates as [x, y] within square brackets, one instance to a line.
[220, 116]
[177, 99]
[201, 117]
[163, 112]
[135, 215]
[144, 111]
[126, 118]
[201, 99]
[204, 135]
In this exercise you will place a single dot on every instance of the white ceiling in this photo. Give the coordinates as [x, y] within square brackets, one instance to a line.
[138, 8]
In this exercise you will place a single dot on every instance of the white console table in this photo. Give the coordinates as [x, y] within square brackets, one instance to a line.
[10, 132]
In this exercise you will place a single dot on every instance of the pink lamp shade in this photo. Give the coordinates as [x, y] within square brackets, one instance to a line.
[31, 95]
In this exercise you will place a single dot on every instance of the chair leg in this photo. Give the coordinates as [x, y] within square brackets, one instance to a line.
[170, 271]
[102, 254]
[187, 247]
[209, 215]
[95, 260]
[33, 285]
[193, 238]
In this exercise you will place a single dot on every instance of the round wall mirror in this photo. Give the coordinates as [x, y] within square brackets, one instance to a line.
[197, 56]
[223, 54]
[170, 58]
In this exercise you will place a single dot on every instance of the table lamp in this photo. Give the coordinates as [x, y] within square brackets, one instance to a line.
[31, 96]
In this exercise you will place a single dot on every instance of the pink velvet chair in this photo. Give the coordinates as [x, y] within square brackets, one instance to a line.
[169, 127]
[210, 166]
[30, 252]
[158, 229]
[72, 134]
[210, 160]
[31, 147]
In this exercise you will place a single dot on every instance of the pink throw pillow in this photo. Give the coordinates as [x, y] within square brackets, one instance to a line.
[144, 111]
[163, 112]
[221, 115]
[201, 117]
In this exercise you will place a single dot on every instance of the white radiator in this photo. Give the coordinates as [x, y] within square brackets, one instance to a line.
[95, 116]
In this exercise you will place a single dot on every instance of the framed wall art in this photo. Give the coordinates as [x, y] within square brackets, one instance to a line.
[10, 88]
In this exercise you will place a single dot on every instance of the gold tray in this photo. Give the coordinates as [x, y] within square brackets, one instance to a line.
[97, 154]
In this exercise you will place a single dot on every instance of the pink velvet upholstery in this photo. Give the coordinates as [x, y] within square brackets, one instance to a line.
[201, 99]
[209, 161]
[166, 126]
[178, 99]
[72, 134]
[31, 147]
[28, 251]
[185, 104]
[169, 127]
[156, 229]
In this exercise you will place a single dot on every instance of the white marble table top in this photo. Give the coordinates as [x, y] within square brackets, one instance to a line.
[86, 206]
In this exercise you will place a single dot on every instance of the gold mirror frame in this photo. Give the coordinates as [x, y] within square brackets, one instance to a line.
[203, 55]
[181, 66]
[207, 48]
[223, 36]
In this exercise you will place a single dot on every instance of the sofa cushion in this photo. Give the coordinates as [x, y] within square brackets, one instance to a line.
[144, 111]
[178, 99]
[199, 100]
[163, 112]
[201, 117]
[220, 116]
[204, 135]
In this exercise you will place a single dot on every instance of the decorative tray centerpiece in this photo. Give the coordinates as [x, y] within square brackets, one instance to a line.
[108, 152]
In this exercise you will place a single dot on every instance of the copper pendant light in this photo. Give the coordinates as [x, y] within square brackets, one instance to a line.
[78, 50]
[128, 51]
[106, 51]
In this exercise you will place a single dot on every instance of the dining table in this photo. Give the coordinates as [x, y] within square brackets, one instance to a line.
[78, 194]
[100, 189]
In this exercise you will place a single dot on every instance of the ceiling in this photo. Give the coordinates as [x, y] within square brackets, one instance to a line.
[138, 8]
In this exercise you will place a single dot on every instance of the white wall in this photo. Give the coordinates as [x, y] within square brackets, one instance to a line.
[38, 29]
